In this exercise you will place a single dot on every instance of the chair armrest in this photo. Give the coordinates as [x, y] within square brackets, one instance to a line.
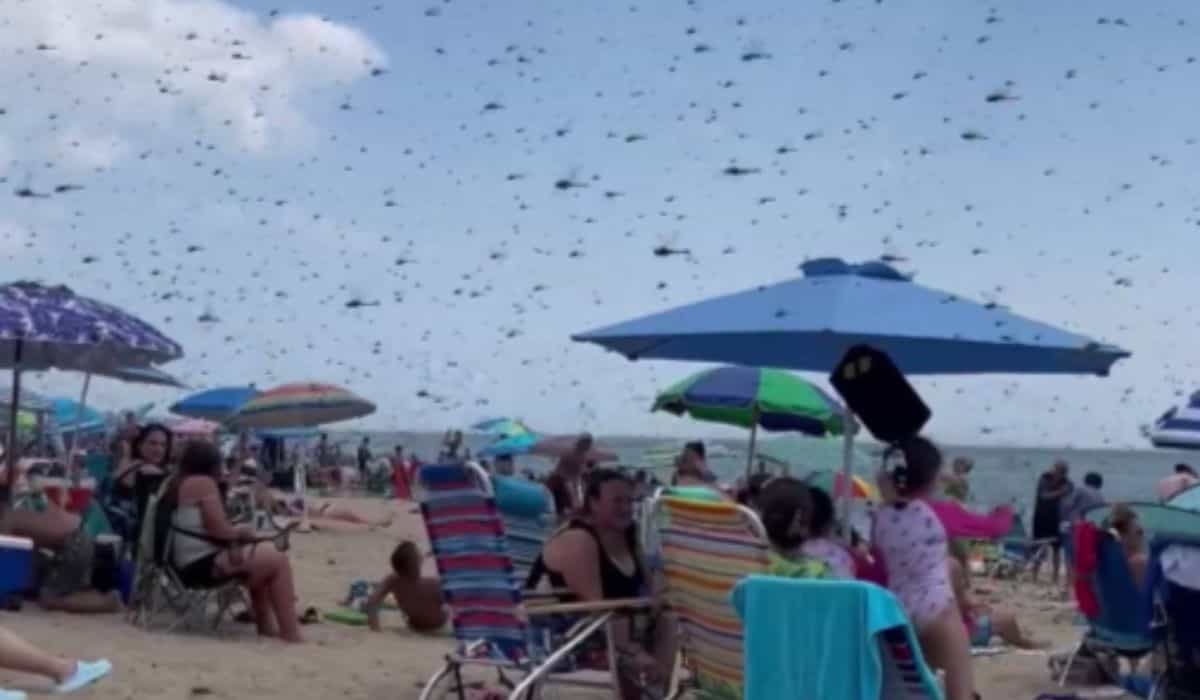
[595, 606]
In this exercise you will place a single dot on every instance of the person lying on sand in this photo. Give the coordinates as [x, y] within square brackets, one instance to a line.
[321, 516]
[985, 621]
[418, 597]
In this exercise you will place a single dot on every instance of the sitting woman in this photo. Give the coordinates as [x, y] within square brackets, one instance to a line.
[209, 550]
[983, 621]
[596, 557]
[785, 506]
[1125, 522]
[144, 458]
[914, 548]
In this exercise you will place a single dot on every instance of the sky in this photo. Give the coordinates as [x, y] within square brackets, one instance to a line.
[422, 202]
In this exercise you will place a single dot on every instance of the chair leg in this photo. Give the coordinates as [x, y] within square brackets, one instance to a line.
[449, 668]
[1062, 677]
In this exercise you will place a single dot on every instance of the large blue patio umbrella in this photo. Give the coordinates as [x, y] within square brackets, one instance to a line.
[218, 405]
[810, 322]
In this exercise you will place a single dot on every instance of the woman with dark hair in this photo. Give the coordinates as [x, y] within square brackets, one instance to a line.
[915, 550]
[208, 549]
[144, 459]
[786, 510]
[596, 557]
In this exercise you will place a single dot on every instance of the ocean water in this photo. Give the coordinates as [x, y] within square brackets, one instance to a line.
[1002, 475]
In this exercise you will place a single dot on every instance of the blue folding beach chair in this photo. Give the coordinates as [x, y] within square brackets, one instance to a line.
[1123, 625]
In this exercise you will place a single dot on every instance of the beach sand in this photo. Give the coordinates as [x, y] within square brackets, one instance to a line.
[351, 662]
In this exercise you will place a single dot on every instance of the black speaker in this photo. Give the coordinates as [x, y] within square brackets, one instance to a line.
[875, 389]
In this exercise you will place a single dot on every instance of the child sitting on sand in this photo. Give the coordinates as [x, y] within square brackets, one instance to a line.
[419, 598]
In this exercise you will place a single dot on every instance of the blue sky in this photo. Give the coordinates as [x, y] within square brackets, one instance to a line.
[258, 165]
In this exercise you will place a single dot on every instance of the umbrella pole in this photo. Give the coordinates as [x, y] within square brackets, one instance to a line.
[849, 427]
[87, 382]
[753, 441]
[299, 485]
[10, 453]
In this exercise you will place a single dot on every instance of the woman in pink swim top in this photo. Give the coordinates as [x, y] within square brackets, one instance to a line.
[913, 545]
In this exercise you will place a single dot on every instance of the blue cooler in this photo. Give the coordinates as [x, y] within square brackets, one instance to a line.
[16, 565]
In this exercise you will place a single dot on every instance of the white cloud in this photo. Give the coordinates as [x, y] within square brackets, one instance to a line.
[145, 65]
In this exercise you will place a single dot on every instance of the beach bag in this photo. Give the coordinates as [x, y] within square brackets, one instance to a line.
[877, 392]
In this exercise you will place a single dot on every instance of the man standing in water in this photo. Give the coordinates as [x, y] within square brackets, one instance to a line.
[364, 458]
[1052, 487]
[566, 481]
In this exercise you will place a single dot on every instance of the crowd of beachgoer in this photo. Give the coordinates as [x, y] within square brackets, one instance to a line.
[911, 547]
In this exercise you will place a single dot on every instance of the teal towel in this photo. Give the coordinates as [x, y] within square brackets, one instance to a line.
[821, 639]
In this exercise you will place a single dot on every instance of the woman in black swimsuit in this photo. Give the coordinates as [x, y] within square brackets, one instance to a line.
[596, 558]
[146, 460]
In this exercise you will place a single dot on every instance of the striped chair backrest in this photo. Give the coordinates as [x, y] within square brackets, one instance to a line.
[905, 675]
[706, 548]
[476, 571]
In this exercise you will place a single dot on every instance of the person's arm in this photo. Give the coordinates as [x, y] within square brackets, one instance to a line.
[376, 599]
[576, 556]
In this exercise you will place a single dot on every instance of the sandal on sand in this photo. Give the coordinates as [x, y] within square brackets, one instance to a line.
[311, 616]
[86, 673]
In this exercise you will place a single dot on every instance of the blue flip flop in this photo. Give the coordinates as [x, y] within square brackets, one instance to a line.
[86, 673]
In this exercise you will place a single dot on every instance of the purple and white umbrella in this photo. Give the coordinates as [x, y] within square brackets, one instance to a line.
[43, 327]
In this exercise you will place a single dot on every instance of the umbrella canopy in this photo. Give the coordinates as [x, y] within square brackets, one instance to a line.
[196, 427]
[214, 404]
[300, 405]
[808, 324]
[511, 445]
[754, 397]
[502, 427]
[143, 375]
[69, 415]
[834, 484]
[1185, 493]
[1179, 427]
[45, 327]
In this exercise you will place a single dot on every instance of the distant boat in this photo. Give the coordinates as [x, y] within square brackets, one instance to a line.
[1179, 427]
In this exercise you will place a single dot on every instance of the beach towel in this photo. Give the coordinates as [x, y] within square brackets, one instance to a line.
[963, 523]
[825, 639]
[1086, 540]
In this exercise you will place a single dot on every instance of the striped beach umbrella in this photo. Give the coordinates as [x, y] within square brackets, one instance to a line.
[1179, 427]
[301, 405]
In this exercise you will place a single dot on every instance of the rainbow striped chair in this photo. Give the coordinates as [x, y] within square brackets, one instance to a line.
[496, 624]
[705, 548]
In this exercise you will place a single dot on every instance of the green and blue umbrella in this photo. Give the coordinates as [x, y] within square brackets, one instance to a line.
[754, 397]
[751, 397]
[502, 427]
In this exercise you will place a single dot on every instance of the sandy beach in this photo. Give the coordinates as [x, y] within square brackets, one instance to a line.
[351, 662]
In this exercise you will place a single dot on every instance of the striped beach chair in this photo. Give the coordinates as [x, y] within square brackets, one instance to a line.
[530, 646]
[705, 548]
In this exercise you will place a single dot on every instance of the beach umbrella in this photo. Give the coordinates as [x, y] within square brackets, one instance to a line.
[754, 397]
[217, 405]
[834, 483]
[195, 427]
[1179, 427]
[502, 427]
[300, 405]
[50, 327]
[810, 322]
[519, 444]
[70, 415]
[151, 376]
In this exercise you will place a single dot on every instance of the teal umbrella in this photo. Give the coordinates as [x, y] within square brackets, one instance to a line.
[754, 397]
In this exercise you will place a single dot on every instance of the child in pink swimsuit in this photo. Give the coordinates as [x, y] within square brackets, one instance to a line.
[912, 543]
